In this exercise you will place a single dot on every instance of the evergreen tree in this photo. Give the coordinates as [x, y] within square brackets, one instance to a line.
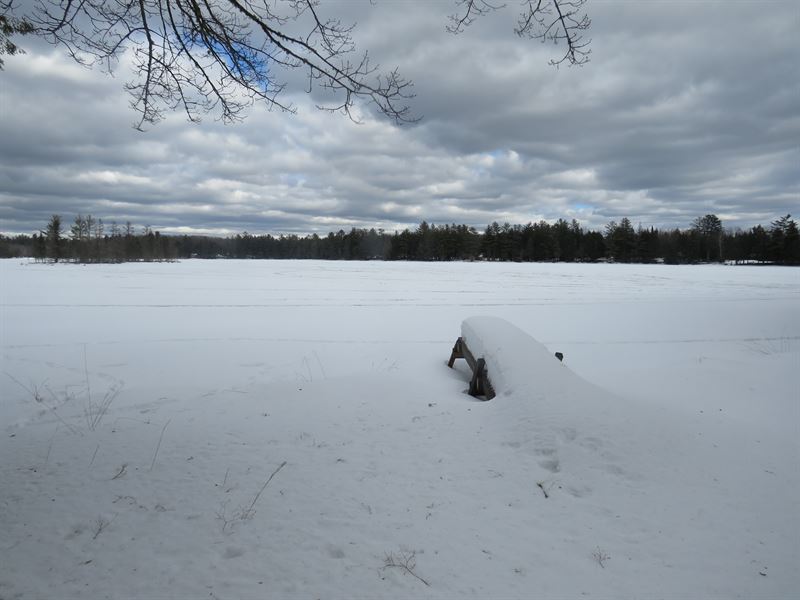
[759, 244]
[784, 244]
[491, 241]
[54, 245]
[621, 240]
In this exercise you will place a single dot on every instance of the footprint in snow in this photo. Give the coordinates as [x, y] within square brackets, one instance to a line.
[551, 464]
[549, 459]
[334, 551]
[232, 552]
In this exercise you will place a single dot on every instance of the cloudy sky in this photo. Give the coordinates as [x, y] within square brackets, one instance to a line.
[686, 108]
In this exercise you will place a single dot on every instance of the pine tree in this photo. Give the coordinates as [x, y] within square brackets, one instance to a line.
[53, 244]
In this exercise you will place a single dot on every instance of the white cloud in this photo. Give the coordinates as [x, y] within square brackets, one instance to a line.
[111, 177]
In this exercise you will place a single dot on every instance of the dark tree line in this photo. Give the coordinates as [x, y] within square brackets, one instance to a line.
[91, 240]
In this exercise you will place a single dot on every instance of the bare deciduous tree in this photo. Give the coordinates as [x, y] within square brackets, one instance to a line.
[200, 56]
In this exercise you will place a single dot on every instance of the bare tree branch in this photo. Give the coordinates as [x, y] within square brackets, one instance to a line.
[223, 56]
[218, 55]
[546, 20]
[471, 10]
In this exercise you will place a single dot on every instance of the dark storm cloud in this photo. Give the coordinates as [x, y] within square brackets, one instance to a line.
[686, 109]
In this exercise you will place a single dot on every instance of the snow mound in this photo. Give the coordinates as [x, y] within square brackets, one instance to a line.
[516, 362]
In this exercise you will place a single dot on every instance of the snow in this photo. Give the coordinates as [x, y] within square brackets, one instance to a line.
[517, 364]
[666, 442]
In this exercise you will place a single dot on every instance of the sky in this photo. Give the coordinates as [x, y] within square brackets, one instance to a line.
[686, 108]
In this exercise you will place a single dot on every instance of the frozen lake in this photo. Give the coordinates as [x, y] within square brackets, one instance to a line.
[221, 324]
[682, 471]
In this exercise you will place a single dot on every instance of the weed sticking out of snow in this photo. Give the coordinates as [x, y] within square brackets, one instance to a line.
[405, 561]
[242, 513]
[600, 556]
[93, 409]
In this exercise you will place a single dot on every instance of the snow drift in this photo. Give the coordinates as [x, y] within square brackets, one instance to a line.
[516, 362]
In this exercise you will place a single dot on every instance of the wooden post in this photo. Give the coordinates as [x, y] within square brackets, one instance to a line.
[476, 384]
[456, 353]
[479, 384]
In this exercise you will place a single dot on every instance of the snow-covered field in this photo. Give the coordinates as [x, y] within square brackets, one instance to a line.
[226, 429]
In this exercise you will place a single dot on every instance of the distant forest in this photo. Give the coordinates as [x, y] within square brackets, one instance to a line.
[706, 240]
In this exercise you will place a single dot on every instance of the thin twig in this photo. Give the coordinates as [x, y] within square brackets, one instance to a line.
[222, 515]
[600, 556]
[225, 479]
[101, 523]
[319, 362]
[94, 413]
[263, 487]
[86, 375]
[152, 464]
[50, 445]
[541, 487]
[37, 397]
[407, 561]
[93, 455]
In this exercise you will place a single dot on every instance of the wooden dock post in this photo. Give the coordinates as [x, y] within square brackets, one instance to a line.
[479, 385]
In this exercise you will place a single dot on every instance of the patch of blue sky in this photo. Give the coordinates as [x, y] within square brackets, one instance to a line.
[293, 179]
[245, 62]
